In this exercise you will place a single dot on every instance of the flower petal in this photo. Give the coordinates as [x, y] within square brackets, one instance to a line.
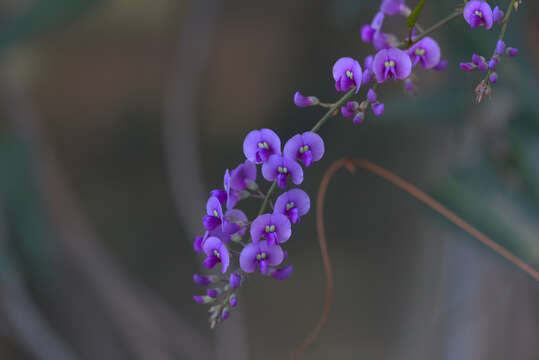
[248, 257]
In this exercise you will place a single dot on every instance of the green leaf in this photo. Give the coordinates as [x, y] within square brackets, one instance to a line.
[412, 18]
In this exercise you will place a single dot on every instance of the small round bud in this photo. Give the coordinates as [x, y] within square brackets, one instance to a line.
[378, 109]
[493, 77]
[512, 51]
[201, 280]
[467, 66]
[358, 119]
[226, 313]
[213, 293]
[235, 280]
[233, 301]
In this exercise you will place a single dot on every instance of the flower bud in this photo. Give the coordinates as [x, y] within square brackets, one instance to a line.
[213, 293]
[305, 101]
[367, 33]
[500, 47]
[235, 280]
[493, 62]
[233, 301]
[378, 109]
[358, 119]
[201, 280]
[442, 65]
[497, 15]
[467, 66]
[511, 51]
[493, 77]
[281, 274]
[371, 96]
[226, 313]
[203, 299]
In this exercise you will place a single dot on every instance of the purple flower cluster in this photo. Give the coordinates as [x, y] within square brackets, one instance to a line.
[226, 226]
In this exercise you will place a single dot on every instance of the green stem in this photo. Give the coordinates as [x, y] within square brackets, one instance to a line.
[502, 31]
[432, 29]
[315, 128]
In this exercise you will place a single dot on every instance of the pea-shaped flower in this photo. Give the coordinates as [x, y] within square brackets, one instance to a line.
[293, 204]
[216, 252]
[426, 51]
[393, 7]
[235, 222]
[214, 214]
[477, 13]
[347, 73]
[275, 228]
[243, 176]
[307, 148]
[391, 64]
[259, 145]
[260, 256]
[280, 168]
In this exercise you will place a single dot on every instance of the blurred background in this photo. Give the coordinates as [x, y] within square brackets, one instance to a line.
[117, 117]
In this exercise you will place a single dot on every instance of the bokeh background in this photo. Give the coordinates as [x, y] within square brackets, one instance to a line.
[118, 116]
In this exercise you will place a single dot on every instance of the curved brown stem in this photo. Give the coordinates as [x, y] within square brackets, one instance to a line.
[350, 164]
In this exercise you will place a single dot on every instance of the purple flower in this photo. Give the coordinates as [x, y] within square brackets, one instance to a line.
[293, 204]
[260, 256]
[214, 214]
[371, 96]
[275, 228]
[477, 13]
[467, 66]
[347, 73]
[220, 195]
[233, 301]
[197, 245]
[235, 280]
[203, 299]
[378, 109]
[493, 77]
[201, 280]
[379, 41]
[391, 63]
[493, 62]
[358, 119]
[235, 222]
[307, 148]
[500, 47]
[409, 85]
[377, 20]
[442, 65]
[426, 51]
[232, 196]
[212, 293]
[497, 15]
[259, 145]
[367, 33]
[392, 7]
[305, 101]
[225, 314]
[243, 176]
[512, 51]
[281, 274]
[350, 109]
[280, 168]
[216, 252]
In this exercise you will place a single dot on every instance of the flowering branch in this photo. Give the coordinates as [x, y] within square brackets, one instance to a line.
[226, 225]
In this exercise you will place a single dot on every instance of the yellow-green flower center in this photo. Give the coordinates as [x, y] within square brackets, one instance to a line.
[263, 145]
[215, 213]
[420, 51]
[216, 253]
[303, 149]
[350, 75]
[290, 205]
[389, 63]
[270, 228]
[282, 170]
[261, 256]
[478, 13]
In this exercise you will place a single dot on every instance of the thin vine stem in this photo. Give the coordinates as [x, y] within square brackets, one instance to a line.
[432, 29]
[350, 164]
